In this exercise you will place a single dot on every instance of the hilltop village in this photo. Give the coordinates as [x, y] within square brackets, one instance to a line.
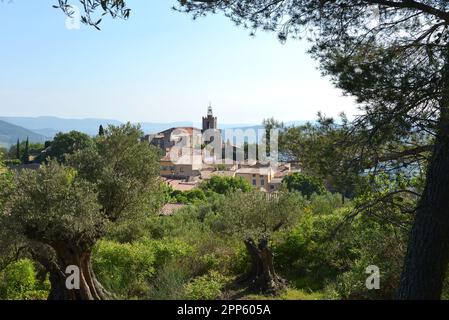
[192, 155]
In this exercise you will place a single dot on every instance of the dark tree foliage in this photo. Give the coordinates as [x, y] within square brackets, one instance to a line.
[95, 10]
[26, 152]
[18, 149]
[321, 150]
[226, 185]
[306, 185]
[65, 144]
[393, 57]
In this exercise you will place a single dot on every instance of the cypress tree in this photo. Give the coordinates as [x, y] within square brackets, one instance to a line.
[26, 153]
[18, 149]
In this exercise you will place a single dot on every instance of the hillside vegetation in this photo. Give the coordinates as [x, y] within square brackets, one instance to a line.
[9, 133]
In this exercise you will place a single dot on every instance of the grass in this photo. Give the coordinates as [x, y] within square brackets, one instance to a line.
[289, 294]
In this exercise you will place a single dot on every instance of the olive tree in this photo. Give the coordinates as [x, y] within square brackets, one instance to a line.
[7, 242]
[254, 217]
[66, 210]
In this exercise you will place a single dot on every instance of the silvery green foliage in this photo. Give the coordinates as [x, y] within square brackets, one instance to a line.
[52, 205]
[256, 215]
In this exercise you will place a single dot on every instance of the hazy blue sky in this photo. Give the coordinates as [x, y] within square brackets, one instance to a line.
[158, 66]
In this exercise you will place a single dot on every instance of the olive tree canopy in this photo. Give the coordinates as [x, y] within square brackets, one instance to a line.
[62, 211]
[254, 217]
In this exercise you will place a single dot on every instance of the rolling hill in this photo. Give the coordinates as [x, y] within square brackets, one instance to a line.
[9, 133]
[50, 126]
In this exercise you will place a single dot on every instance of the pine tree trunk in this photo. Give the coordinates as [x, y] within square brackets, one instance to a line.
[262, 276]
[90, 288]
[428, 249]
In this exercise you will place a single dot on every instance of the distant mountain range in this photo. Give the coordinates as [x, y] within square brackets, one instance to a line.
[50, 126]
[9, 133]
[40, 129]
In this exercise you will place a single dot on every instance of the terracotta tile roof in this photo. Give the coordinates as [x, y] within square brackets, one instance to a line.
[181, 185]
[281, 174]
[261, 171]
[189, 130]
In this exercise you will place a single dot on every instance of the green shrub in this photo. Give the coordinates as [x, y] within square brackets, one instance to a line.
[240, 261]
[226, 256]
[185, 224]
[207, 287]
[17, 280]
[381, 245]
[130, 231]
[167, 249]
[310, 255]
[226, 185]
[124, 269]
[306, 185]
[12, 162]
[169, 282]
[128, 269]
[325, 203]
[210, 260]
[195, 196]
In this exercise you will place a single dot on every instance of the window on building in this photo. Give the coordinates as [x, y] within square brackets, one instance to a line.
[262, 182]
[254, 182]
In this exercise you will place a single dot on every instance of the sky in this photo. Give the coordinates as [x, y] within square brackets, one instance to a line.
[158, 66]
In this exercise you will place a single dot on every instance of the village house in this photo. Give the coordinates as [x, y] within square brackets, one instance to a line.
[258, 177]
[184, 167]
[265, 178]
[182, 148]
[189, 158]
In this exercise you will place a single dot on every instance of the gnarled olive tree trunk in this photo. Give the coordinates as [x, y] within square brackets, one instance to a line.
[262, 276]
[63, 257]
[89, 287]
[428, 250]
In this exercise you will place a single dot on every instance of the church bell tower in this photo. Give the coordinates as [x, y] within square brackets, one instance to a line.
[210, 122]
